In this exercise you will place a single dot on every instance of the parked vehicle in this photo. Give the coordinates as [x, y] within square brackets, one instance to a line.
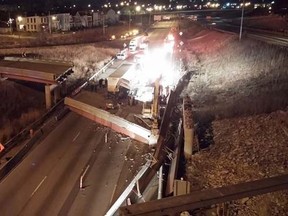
[135, 43]
[122, 55]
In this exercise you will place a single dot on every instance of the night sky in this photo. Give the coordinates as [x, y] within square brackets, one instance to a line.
[37, 6]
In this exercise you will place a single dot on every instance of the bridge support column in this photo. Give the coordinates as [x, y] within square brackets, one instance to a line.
[48, 96]
[188, 126]
[63, 88]
[56, 94]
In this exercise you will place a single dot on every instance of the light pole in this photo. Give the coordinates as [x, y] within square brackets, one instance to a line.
[103, 19]
[49, 23]
[241, 24]
[129, 19]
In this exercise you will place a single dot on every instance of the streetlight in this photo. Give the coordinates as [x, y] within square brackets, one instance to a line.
[103, 23]
[138, 8]
[241, 25]
[149, 10]
[129, 19]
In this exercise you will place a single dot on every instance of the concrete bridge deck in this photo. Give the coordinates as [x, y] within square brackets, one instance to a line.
[34, 70]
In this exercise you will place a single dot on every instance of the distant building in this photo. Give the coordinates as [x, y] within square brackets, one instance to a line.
[60, 22]
[65, 21]
[81, 20]
[54, 22]
[96, 19]
[31, 24]
[111, 17]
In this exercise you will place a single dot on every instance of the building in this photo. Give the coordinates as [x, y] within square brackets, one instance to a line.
[65, 21]
[96, 17]
[60, 22]
[81, 20]
[31, 24]
[54, 22]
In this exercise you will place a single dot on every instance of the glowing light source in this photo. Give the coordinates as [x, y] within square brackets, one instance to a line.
[138, 8]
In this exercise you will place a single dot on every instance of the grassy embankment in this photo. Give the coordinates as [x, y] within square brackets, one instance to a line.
[235, 78]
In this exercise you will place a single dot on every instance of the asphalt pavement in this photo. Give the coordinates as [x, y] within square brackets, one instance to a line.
[47, 181]
[42, 183]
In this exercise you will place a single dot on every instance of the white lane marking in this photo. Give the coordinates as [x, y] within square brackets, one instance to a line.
[76, 136]
[39, 185]
[113, 193]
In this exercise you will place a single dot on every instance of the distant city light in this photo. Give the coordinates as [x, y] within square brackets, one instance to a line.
[19, 18]
[138, 8]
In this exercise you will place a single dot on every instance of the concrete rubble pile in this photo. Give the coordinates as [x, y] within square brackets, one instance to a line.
[245, 149]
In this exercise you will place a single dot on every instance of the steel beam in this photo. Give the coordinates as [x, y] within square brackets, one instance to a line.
[200, 199]
[112, 121]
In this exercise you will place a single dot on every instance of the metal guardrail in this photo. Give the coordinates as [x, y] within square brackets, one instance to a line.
[25, 132]
[128, 190]
[76, 91]
[199, 199]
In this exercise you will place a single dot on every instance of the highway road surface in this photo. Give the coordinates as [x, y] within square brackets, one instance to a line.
[44, 183]
[258, 34]
[47, 182]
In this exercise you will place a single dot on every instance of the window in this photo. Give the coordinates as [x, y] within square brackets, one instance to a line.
[35, 27]
[31, 20]
[34, 20]
[27, 20]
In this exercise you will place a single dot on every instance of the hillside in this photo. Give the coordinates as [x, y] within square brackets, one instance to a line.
[20, 105]
[239, 94]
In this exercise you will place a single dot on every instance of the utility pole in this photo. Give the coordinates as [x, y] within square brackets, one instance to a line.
[241, 25]
[103, 20]
[10, 23]
[49, 23]
[129, 19]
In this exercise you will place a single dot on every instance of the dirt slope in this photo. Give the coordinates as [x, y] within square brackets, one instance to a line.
[239, 95]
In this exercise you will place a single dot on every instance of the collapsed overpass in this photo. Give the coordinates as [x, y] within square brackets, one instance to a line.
[114, 122]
